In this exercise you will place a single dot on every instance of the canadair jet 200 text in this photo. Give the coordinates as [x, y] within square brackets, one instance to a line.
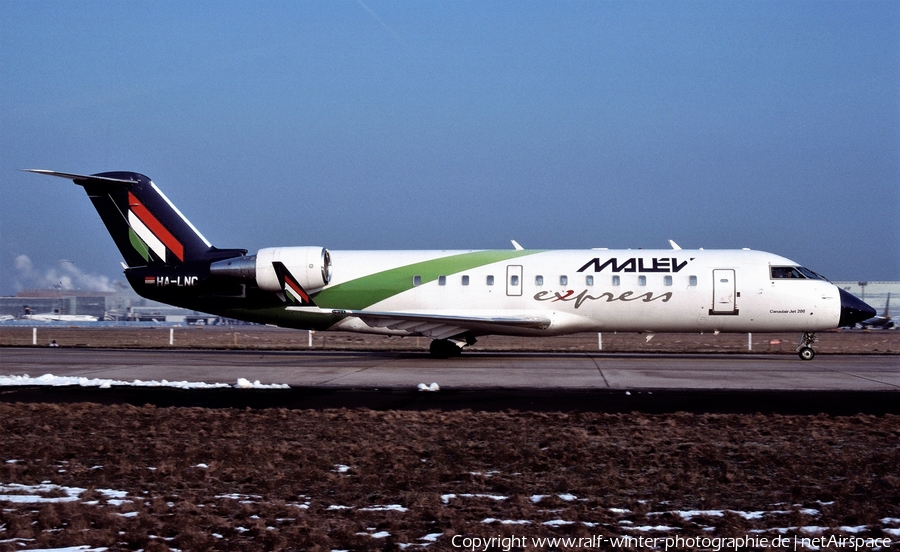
[455, 296]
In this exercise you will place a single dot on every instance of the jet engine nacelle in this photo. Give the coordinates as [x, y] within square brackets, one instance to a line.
[310, 266]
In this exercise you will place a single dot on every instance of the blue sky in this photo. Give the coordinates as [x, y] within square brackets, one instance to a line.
[461, 125]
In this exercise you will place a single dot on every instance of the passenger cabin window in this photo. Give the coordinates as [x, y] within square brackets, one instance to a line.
[616, 280]
[563, 280]
[442, 280]
[514, 280]
[589, 280]
[490, 280]
[692, 281]
[465, 280]
[667, 280]
[417, 280]
[538, 280]
[642, 280]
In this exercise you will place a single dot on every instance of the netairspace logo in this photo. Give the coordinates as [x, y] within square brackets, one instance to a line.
[715, 544]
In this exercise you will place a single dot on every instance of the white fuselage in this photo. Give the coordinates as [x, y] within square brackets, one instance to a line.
[597, 290]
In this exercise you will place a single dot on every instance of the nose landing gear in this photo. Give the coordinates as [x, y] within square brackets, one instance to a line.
[804, 349]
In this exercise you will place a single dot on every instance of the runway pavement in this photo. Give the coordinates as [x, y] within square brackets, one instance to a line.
[382, 370]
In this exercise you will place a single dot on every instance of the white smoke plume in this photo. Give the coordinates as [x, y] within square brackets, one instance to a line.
[66, 277]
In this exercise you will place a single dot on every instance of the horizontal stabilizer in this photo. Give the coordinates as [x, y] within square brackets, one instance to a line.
[82, 179]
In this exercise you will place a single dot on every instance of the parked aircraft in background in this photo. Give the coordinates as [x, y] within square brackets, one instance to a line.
[55, 316]
[884, 321]
[454, 297]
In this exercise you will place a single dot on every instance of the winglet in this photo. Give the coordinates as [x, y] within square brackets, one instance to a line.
[674, 245]
[516, 246]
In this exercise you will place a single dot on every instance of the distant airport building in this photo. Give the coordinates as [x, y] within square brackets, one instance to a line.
[62, 302]
[122, 304]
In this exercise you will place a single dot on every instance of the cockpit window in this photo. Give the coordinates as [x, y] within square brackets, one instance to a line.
[785, 272]
[810, 274]
[794, 272]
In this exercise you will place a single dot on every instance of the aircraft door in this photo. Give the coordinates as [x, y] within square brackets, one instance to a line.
[723, 292]
[514, 280]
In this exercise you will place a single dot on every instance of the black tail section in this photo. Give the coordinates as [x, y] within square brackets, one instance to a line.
[147, 228]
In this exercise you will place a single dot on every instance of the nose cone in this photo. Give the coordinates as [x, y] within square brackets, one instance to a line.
[853, 310]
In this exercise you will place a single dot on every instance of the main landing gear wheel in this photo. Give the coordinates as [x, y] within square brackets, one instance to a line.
[804, 350]
[444, 348]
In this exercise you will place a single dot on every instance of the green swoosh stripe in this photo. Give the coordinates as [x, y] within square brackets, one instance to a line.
[362, 292]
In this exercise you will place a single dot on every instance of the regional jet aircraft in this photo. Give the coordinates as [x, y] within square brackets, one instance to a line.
[453, 297]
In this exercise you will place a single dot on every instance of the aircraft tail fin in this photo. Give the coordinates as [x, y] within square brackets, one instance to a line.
[146, 227]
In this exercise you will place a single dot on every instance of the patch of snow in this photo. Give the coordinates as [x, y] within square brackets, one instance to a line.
[82, 548]
[430, 388]
[506, 521]
[384, 508]
[431, 537]
[337, 507]
[202, 466]
[129, 515]
[620, 511]
[340, 468]
[748, 515]
[557, 523]
[243, 383]
[233, 496]
[63, 381]
[380, 535]
[890, 520]
[446, 497]
[689, 514]
[853, 529]
[110, 493]
[891, 531]
[653, 528]
[492, 497]
[813, 529]
[30, 494]
[567, 497]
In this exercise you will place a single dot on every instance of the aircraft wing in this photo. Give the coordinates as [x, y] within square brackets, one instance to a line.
[440, 326]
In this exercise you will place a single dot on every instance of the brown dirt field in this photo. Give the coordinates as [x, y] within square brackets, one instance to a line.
[262, 337]
[201, 479]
